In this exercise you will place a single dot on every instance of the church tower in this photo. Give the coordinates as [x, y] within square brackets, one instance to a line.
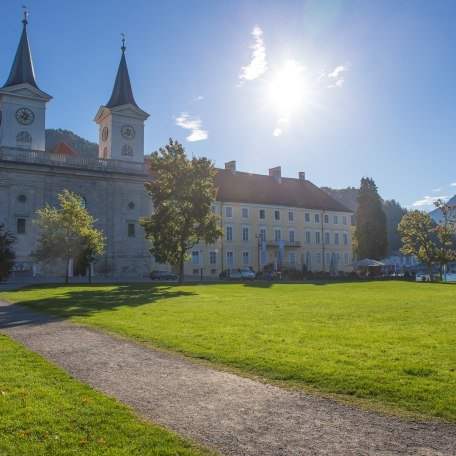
[22, 103]
[121, 121]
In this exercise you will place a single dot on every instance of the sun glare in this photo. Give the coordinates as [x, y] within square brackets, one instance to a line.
[287, 89]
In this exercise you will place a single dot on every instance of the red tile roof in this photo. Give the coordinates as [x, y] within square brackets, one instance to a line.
[260, 189]
[64, 149]
[266, 190]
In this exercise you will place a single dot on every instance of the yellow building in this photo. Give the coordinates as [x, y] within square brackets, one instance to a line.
[269, 219]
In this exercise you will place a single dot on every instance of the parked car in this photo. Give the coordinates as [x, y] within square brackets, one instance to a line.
[247, 274]
[237, 274]
[162, 275]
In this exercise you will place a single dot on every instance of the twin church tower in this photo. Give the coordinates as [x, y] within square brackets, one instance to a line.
[23, 108]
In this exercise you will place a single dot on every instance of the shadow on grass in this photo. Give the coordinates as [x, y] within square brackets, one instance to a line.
[77, 302]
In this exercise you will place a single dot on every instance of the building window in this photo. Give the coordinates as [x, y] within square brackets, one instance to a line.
[229, 233]
[196, 271]
[327, 237]
[24, 140]
[306, 216]
[262, 234]
[318, 257]
[127, 150]
[105, 152]
[246, 258]
[212, 257]
[292, 257]
[326, 218]
[345, 238]
[277, 234]
[20, 226]
[290, 216]
[344, 220]
[22, 198]
[245, 212]
[228, 211]
[336, 238]
[276, 215]
[336, 220]
[317, 237]
[291, 235]
[245, 234]
[328, 259]
[213, 271]
[213, 208]
[131, 230]
[317, 218]
[346, 259]
[262, 214]
[195, 258]
[307, 236]
[229, 258]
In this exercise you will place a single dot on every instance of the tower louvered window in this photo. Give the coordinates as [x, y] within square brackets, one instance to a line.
[24, 140]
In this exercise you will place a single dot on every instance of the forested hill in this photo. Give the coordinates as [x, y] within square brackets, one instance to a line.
[393, 211]
[80, 145]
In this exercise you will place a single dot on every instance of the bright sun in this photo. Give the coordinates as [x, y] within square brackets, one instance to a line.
[286, 90]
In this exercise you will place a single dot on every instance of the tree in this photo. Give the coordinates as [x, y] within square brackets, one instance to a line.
[67, 233]
[416, 229]
[394, 213]
[446, 234]
[182, 195]
[7, 254]
[370, 232]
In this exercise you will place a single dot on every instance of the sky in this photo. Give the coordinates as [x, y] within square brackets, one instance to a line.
[337, 89]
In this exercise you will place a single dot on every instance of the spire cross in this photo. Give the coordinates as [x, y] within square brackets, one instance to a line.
[123, 43]
[24, 21]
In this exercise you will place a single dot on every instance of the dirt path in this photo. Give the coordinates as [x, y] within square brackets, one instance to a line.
[223, 411]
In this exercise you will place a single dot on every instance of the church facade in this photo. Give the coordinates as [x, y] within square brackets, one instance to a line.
[266, 218]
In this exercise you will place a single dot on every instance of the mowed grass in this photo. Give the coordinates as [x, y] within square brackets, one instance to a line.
[44, 411]
[386, 345]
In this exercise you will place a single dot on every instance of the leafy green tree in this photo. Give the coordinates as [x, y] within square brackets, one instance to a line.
[67, 233]
[394, 213]
[182, 195]
[7, 254]
[370, 232]
[416, 229]
[446, 234]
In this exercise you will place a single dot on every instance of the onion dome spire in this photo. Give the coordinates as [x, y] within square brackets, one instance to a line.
[22, 70]
[122, 93]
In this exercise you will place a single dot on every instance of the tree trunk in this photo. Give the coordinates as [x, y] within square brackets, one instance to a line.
[90, 272]
[181, 271]
[67, 272]
[431, 276]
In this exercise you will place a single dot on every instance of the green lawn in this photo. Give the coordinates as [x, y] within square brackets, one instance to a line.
[385, 345]
[44, 411]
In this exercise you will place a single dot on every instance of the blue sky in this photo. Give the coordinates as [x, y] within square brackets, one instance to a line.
[338, 89]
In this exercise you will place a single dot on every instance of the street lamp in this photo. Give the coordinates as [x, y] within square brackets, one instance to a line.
[259, 239]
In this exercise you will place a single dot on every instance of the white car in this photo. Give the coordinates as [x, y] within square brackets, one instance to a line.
[246, 274]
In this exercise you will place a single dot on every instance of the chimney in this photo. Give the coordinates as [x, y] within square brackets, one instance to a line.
[231, 166]
[276, 173]
[302, 175]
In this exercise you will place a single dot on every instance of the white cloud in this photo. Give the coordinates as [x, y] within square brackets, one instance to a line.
[199, 98]
[339, 69]
[428, 201]
[436, 190]
[258, 63]
[280, 121]
[453, 184]
[193, 123]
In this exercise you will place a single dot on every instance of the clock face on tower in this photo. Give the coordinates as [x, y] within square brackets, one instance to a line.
[128, 132]
[104, 134]
[24, 116]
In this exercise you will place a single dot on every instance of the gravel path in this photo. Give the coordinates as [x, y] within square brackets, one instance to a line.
[223, 411]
